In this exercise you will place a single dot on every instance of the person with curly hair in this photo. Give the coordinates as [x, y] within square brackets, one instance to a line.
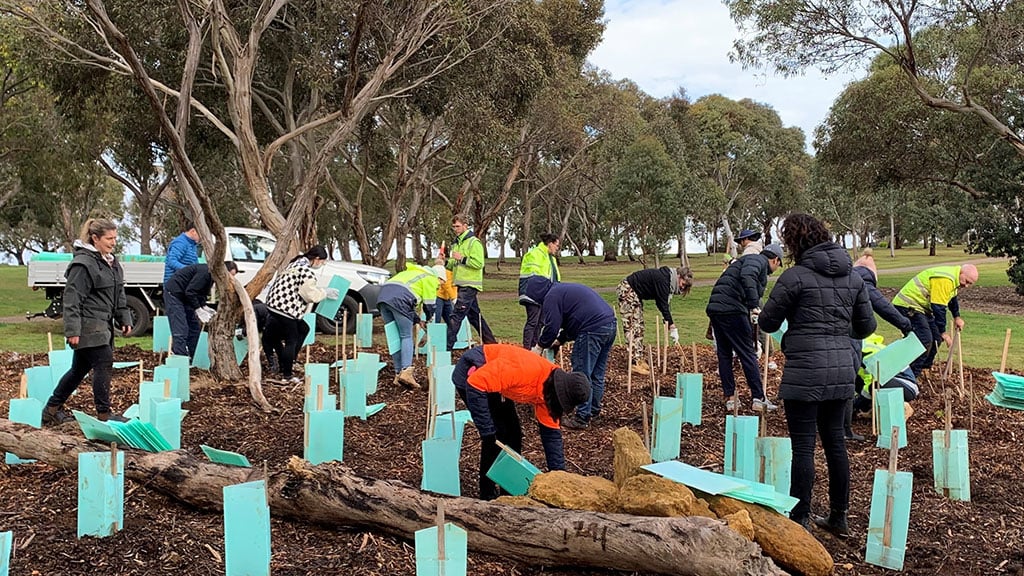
[825, 305]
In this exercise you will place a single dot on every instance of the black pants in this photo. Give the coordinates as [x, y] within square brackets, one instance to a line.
[284, 337]
[928, 333]
[806, 421]
[531, 330]
[733, 332]
[466, 306]
[99, 360]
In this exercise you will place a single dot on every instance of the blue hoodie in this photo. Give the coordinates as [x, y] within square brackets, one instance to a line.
[567, 309]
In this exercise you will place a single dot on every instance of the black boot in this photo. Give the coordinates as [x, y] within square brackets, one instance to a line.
[54, 416]
[835, 523]
[110, 416]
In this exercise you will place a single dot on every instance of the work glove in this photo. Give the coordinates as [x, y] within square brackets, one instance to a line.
[332, 293]
[753, 315]
[673, 333]
[205, 314]
[537, 350]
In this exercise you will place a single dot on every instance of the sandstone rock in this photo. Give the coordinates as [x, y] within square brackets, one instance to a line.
[574, 492]
[520, 501]
[701, 508]
[785, 541]
[649, 495]
[741, 523]
[629, 456]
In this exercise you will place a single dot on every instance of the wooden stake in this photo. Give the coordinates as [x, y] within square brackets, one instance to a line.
[960, 362]
[970, 404]
[440, 537]
[49, 341]
[335, 339]
[344, 335]
[167, 387]
[23, 387]
[890, 498]
[142, 376]
[647, 430]
[307, 352]
[682, 359]
[415, 341]
[509, 451]
[113, 458]
[664, 355]
[1006, 350]
[695, 369]
[656, 366]
[946, 440]
[319, 397]
[629, 366]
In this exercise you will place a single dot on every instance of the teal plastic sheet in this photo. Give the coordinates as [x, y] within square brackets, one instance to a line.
[890, 412]
[183, 390]
[100, 493]
[441, 463]
[149, 391]
[319, 374]
[667, 428]
[889, 519]
[225, 457]
[161, 333]
[60, 363]
[462, 338]
[241, 349]
[327, 401]
[453, 422]
[393, 336]
[763, 494]
[93, 429]
[246, 530]
[165, 416]
[353, 392]
[951, 464]
[7, 544]
[164, 373]
[40, 382]
[310, 319]
[690, 388]
[364, 330]
[694, 477]
[894, 358]
[28, 411]
[740, 452]
[325, 436]
[329, 308]
[778, 334]
[775, 462]
[444, 389]
[436, 336]
[512, 472]
[123, 365]
[1008, 391]
[433, 559]
[201, 359]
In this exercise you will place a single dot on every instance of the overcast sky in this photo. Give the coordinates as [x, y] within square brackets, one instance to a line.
[664, 44]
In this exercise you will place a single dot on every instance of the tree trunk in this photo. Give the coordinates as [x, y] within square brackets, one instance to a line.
[332, 494]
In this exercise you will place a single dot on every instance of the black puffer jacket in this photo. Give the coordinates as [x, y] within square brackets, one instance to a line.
[880, 304]
[740, 287]
[94, 299]
[825, 306]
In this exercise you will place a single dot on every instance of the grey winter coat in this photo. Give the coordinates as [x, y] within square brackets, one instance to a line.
[825, 306]
[94, 299]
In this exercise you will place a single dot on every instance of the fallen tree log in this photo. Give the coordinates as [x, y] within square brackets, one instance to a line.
[332, 494]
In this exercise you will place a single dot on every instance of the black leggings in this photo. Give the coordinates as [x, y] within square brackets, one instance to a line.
[99, 360]
[284, 336]
[806, 421]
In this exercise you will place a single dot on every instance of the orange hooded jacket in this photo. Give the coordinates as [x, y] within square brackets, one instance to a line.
[517, 374]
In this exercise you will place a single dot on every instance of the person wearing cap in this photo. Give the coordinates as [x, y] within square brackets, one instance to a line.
[733, 310]
[402, 298]
[294, 290]
[658, 284]
[540, 261]
[750, 242]
[492, 378]
[924, 300]
[576, 313]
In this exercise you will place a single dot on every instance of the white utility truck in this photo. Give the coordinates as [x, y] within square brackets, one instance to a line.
[248, 247]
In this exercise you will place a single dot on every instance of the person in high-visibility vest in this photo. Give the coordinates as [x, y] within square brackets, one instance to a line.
[539, 261]
[399, 300]
[924, 300]
[467, 265]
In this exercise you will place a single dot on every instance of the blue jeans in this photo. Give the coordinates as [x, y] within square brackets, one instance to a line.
[590, 356]
[403, 358]
[443, 310]
[805, 421]
[184, 324]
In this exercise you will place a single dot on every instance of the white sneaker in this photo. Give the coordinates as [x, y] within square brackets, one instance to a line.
[730, 405]
[761, 405]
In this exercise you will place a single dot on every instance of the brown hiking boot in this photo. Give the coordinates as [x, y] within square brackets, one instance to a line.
[642, 368]
[406, 378]
[54, 416]
[110, 416]
[908, 411]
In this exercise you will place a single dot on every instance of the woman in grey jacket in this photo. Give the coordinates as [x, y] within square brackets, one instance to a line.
[94, 303]
[825, 306]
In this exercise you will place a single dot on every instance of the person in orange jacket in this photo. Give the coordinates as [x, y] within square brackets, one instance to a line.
[491, 378]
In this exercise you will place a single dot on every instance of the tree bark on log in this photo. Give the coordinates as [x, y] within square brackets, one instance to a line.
[332, 494]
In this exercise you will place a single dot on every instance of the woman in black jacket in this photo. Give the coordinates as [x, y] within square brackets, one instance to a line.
[825, 306]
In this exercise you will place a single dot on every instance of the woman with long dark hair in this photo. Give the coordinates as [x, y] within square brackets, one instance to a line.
[825, 306]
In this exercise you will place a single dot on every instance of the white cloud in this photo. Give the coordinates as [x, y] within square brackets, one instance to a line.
[665, 45]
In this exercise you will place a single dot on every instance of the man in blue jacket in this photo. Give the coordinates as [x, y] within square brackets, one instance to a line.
[733, 308]
[184, 294]
[574, 312]
[182, 251]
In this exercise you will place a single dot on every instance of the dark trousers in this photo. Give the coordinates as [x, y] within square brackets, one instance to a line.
[466, 306]
[531, 330]
[185, 327]
[733, 332]
[284, 337]
[99, 360]
[806, 421]
[443, 310]
[928, 333]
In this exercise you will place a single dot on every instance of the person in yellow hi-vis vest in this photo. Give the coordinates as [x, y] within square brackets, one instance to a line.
[467, 265]
[924, 300]
[539, 261]
[399, 299]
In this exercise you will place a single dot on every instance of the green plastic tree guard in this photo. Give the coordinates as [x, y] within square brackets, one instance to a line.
[246, 530]
[441, 459]
[444, 389]
[775, 462]
[329, 308]
[364, 330]
[201, 358]
[436, 559]
[512, 472]
[27, 411]
[165, 372]
[100, 493]
[889, 519]
[740, 439]
[310, 319]
[40, 382]
[894, 358]
[184, 387]
[165, 416]
[161, 333]
[353, 392]
[6, 545]
[951, 467]
[225, 457]
[149, 391]
[890, 411]
[319, 374]
[393, 337]
[241, 349]
[667, 427]
[60, 363]
[463, 337]
[325, 436]
[690, 387]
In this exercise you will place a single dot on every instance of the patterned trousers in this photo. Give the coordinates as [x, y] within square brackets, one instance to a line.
[631, 310]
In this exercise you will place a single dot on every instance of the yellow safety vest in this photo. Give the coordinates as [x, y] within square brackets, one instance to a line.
[916, 294]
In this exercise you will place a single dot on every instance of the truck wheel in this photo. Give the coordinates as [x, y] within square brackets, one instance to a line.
[325, 326]
[140, 316]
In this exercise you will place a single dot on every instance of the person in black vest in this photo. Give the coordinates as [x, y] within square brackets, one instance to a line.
[733, 308]
[825, 305]
[185, 296]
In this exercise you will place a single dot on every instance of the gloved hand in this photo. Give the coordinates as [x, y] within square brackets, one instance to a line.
[205, 314]
[754, 314]
[332, 293]
[673, 333]
[536, 350]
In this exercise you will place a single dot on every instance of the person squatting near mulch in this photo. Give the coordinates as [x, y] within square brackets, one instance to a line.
[185, 294]
[658, 284]
[576, 313]
[94, 303]
[399, 300]
[492, 378]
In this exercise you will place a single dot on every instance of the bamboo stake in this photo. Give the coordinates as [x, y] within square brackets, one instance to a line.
[695, 369]
[440, 537]
[656, 366]
[335, 339]
[682, 359]
[23, 386]
[1006, 350]
[167, 387]
[647, 430]
[509, 451]
[946, 440]
[113, 458]
[49, 341]
[629, 366]
[141, 372]
[960, 362]
[344, 336]
[875, 418]
[319, 397]
[664, 355]
[890, 498]
[970, 404]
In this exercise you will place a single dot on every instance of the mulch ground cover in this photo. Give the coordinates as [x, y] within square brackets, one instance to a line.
[161, 535]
